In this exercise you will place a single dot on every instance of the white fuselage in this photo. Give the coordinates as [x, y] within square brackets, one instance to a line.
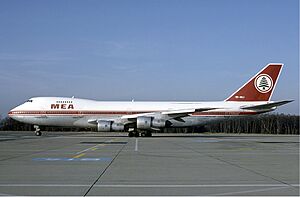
[74, 112]
[250, 99]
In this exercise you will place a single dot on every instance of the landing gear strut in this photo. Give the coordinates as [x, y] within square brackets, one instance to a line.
[130, 134]
[133, 134]
[37, 130]
[146, 134]
[137, 134]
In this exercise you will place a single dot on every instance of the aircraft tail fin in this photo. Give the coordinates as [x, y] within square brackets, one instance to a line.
[260, 87]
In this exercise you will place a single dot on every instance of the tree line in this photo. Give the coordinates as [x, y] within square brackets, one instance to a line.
[262, 124]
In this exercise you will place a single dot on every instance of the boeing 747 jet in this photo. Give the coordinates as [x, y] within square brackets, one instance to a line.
[141, 118]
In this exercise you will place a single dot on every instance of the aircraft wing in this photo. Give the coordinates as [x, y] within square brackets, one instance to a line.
[184, 112]
[267, 105]
[170, 113]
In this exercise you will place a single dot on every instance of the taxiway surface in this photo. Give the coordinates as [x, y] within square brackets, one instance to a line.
[166, 164]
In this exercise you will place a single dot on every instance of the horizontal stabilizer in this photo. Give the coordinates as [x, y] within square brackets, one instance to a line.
[267, 106]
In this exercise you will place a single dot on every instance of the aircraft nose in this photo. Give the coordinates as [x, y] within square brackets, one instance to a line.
[12, 112]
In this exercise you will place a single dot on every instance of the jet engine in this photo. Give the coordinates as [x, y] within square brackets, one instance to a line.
[150, 122]
[117, 127]
[104, 126]
[144, 122]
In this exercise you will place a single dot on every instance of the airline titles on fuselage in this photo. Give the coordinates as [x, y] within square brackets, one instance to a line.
[63, 105]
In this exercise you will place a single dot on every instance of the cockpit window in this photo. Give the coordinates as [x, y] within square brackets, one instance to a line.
[29, 101]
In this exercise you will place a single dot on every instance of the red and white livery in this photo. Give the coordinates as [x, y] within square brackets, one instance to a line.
[143, 117]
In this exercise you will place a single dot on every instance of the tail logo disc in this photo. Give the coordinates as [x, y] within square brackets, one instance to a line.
[263, 83]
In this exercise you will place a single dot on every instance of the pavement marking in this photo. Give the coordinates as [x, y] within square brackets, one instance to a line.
[93, 147]
[251, 191]
[80, 155]
[83, 137]
[71, 159]
[207, 140]
[87, 149]
[2, 194]
[159, 186]
[104, 171]
[43, 185]
[136, 144]
[217, 185]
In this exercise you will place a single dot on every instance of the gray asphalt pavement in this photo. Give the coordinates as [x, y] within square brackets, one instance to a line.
[166, 164]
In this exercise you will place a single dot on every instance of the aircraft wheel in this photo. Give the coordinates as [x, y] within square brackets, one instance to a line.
[130, 134]
[38, 133]
[137, 134]
[148, 134]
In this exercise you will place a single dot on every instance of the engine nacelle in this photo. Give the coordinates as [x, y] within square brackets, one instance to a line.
[144, 122]
[159, 123]
[149, 122]
[104, 125]
[118, 127]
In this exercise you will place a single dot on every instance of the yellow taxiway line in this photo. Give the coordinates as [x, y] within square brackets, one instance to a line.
[80, 155]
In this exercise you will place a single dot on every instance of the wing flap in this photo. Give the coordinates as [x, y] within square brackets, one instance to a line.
[176, 112]
[133, 116]
[184, 112]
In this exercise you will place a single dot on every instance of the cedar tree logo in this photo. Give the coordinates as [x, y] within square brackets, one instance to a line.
[263, 83]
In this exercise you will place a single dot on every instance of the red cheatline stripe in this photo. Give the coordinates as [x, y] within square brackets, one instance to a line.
[69, 112]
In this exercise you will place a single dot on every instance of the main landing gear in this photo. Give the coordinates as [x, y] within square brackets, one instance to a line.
[146, 134]
[137, 134]
[37, 130]
[133, 134]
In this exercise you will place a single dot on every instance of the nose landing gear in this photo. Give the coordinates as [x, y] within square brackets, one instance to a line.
[37, 130]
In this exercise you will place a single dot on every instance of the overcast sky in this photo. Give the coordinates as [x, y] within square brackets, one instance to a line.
[183, 50]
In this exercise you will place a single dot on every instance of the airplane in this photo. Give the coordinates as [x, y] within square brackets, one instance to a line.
[141, 118]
